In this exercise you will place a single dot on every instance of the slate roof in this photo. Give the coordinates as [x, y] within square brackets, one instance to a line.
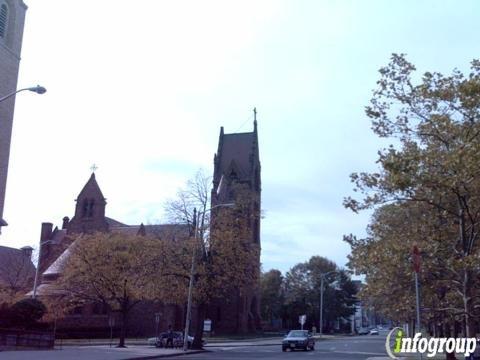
[112, 222]
[58, 235]
[238, 148]
[59, 264]
[165, 231]
[91, 187]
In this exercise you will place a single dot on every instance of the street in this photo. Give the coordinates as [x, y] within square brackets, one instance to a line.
[348, 347]
[356, 347]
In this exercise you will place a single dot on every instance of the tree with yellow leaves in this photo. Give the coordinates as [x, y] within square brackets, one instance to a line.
[435, 126]
[108, 268]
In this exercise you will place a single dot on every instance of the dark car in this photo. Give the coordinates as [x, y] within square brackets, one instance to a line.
[298, 339]
[177, 340]
[363, 331]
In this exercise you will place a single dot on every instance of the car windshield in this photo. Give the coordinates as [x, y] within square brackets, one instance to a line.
[298, 333]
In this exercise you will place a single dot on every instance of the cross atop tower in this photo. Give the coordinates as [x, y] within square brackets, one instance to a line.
[254, 114]
[93, 167]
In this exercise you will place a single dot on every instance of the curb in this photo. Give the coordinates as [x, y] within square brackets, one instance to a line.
[240, 345]
[166, 355]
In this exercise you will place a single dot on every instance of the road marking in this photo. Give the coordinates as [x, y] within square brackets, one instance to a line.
[357, 352]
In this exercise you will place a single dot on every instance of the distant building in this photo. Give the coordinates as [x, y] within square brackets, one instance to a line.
[12, 17]
[17, 272]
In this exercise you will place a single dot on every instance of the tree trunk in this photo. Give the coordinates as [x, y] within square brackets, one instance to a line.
[201, 312]
[469, 325]
[449, 333]
[123, 330]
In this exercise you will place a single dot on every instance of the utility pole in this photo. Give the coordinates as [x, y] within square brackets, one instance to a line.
[190, 285]
[322, 280]
[416, 260]
[320, 328]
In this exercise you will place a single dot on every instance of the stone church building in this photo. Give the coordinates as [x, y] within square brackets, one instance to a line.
[236, 160]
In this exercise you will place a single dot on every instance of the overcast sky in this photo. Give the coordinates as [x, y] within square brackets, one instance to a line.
[141, 88]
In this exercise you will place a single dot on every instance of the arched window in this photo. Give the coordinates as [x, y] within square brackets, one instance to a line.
[90, 207]
[85, 208]
[3, 20]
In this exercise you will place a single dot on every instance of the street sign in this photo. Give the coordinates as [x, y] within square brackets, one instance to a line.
[207, 325]
[302, 319]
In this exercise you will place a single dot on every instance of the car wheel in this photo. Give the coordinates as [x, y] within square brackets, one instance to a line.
[284, 349]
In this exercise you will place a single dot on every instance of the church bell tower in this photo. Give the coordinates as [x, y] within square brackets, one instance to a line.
[237, 162]
[89, 210]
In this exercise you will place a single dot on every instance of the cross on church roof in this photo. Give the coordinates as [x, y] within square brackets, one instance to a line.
[93, 167]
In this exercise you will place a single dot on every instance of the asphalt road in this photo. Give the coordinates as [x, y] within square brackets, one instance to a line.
[356, 347]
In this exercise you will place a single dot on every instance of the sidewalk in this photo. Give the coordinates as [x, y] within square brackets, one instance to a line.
[143, 341]
[96, 353]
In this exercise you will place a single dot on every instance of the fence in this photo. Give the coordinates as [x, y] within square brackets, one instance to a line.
[28, 339]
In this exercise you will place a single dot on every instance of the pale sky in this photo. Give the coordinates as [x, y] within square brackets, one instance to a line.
[141, 88]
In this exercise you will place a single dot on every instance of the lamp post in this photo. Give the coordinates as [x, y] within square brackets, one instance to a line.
[37, 89]
[192, 272]
[322, 279]
[416, 262]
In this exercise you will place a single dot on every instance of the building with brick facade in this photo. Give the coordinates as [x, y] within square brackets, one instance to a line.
[236, 162]
[12, 17]
[56, 245]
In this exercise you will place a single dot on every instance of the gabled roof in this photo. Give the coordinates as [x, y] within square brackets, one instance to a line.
[163, 231]
[59, 264]
[91, 189]
[113, 223]
[166, 231]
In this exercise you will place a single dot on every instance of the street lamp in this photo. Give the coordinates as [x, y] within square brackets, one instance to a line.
[36, 89]
[192, 272]
[322, 279]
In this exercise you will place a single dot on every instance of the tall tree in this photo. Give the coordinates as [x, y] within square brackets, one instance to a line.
[302, 292]
[109, 268]
[271, 294]
[194, 195]
[435, 126]
[384, 257]
[224, 253]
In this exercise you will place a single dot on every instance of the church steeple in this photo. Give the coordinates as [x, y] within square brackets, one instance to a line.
[90, 209]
